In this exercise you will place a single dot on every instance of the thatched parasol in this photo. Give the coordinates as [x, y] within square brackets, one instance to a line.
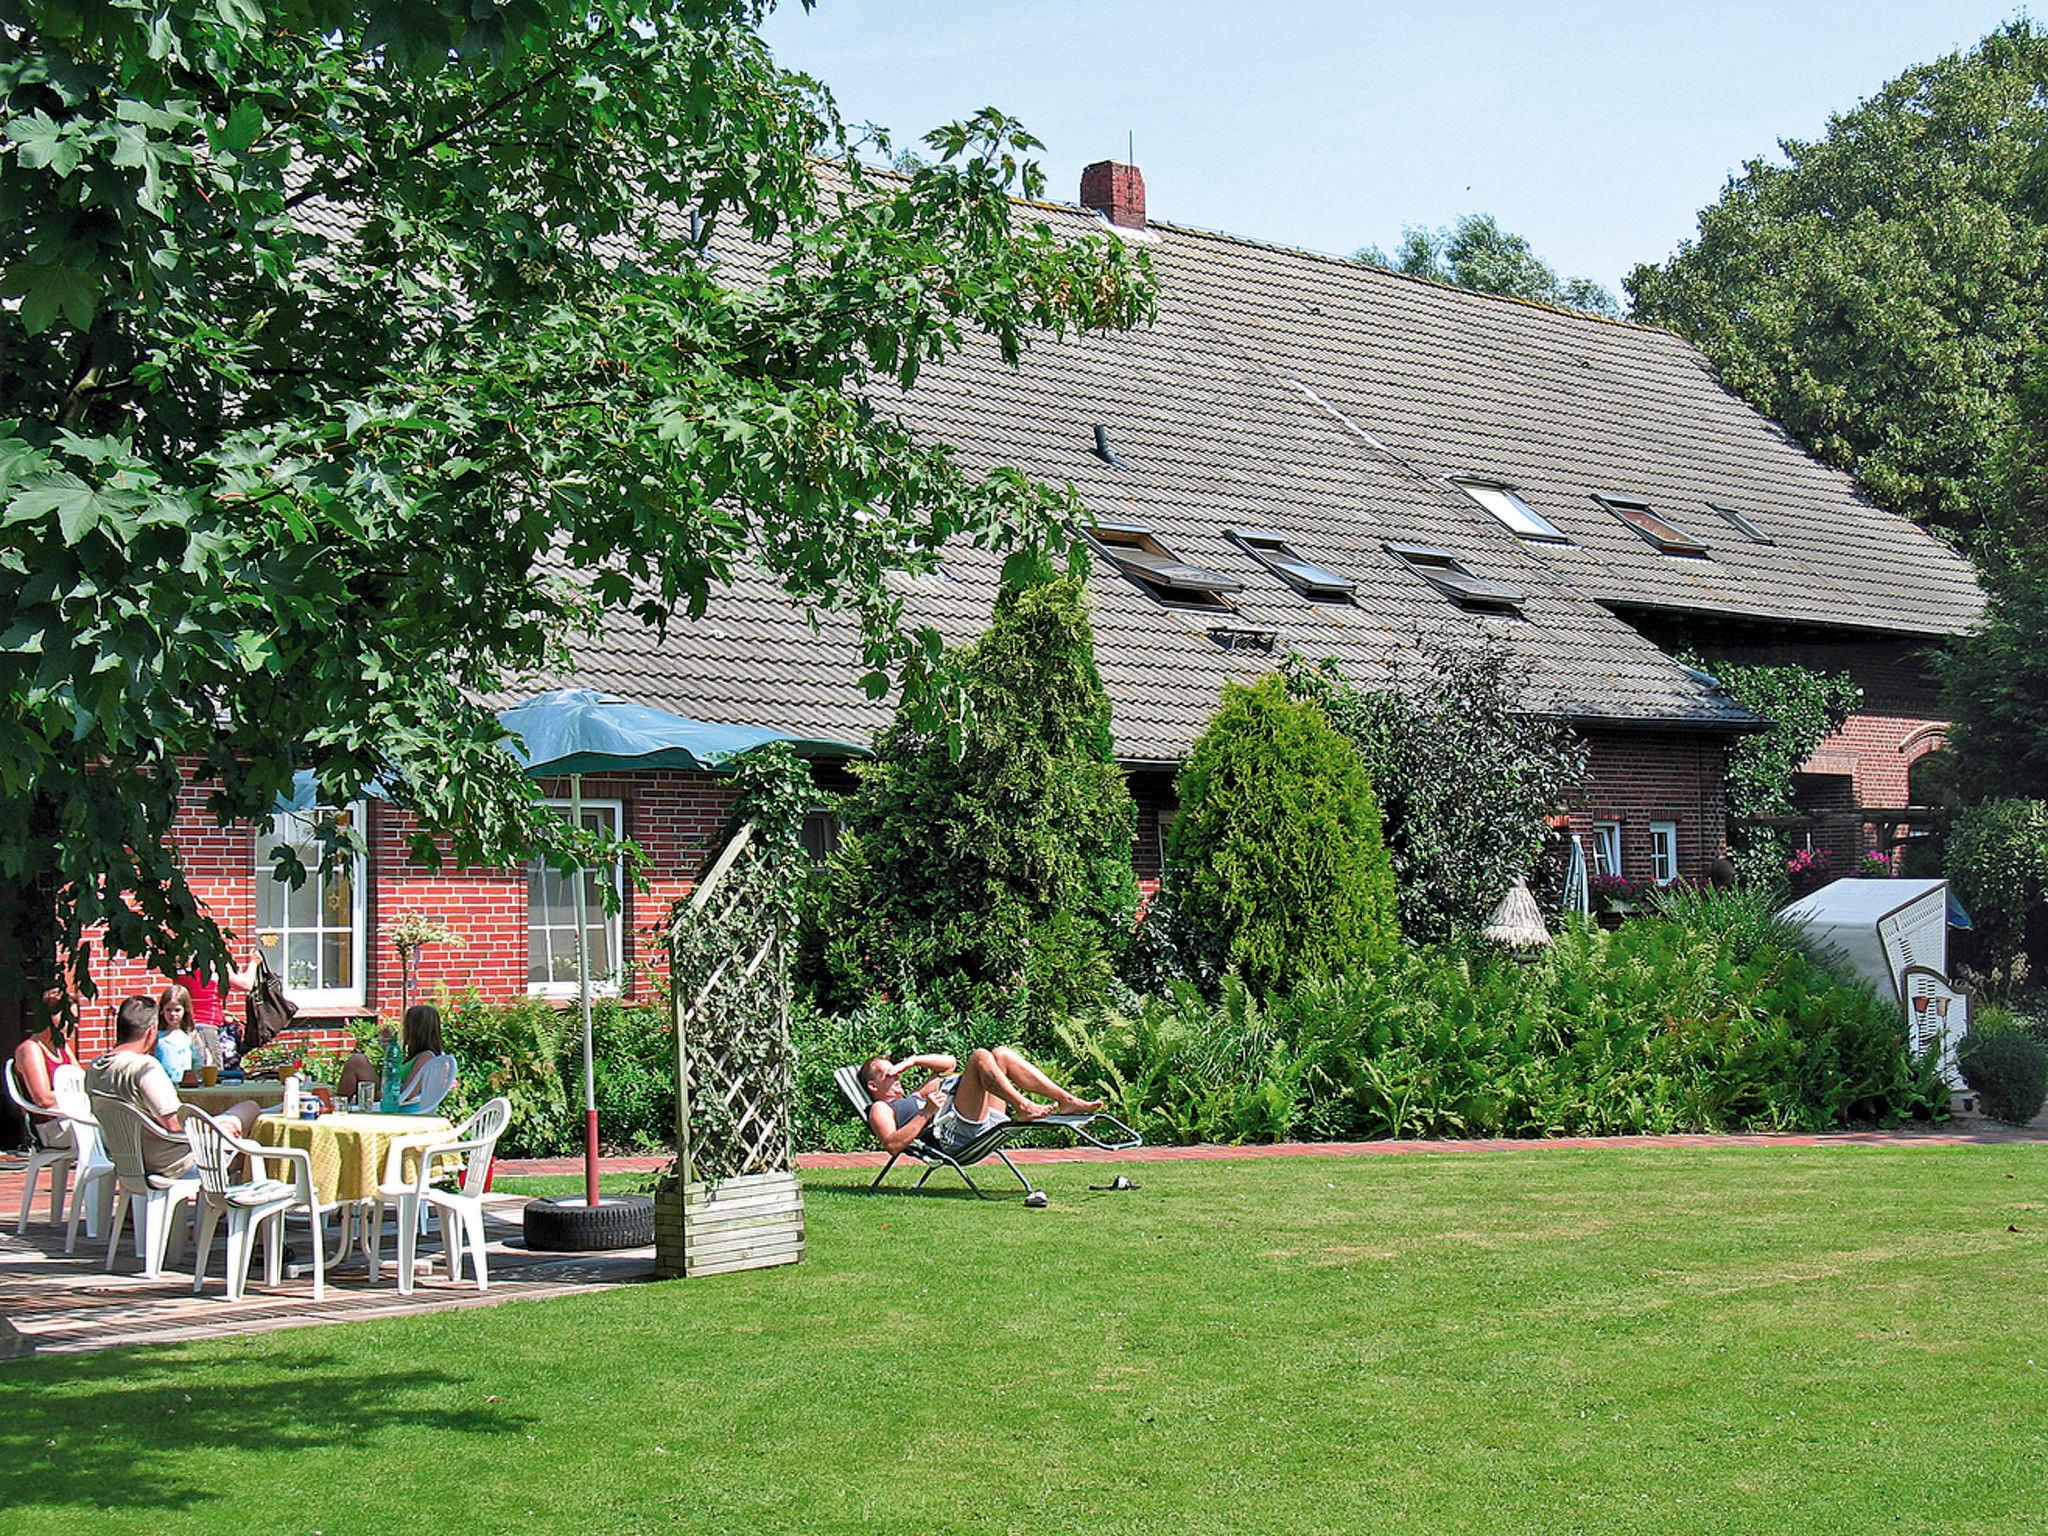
[1516, 921]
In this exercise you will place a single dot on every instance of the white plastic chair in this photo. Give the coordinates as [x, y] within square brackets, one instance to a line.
[55, 1156]
[154, 1199]
[460, 1210]
[433, 1083]
[252, 1205]
[92, 1193]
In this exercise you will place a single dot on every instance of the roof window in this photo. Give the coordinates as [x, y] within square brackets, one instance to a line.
[1443, 570]
[1314, 581]
[1510, 511]
[1140, 556]
[1657, 533]
[1744, 524]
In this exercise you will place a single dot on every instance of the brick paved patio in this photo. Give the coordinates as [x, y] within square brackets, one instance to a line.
[66, 1304]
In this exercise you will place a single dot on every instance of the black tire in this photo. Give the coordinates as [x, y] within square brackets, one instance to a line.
[567, 1225]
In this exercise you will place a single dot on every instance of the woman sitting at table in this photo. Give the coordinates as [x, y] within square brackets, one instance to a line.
[429, 1072]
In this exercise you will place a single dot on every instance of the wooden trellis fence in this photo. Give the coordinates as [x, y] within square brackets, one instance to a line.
[734, 1201]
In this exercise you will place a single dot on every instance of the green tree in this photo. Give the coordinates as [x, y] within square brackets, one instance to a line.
[1275, 865]
[1997, 855]
[1467, 776]
[1996, 678]
[1477, 253]
[354, 354]
[1877, 289]
[998, 851]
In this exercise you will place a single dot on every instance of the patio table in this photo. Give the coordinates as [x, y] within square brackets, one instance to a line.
[354, 1152]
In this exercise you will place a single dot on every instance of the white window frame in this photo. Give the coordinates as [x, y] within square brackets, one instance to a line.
[275, 833]
[1606, 842]
[614, 921]
[1664, 852]
[1518, 517]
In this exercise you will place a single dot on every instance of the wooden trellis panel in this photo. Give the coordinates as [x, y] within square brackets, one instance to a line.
[736, 1203]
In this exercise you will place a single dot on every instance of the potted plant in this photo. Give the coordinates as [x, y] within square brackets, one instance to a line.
[409, 933]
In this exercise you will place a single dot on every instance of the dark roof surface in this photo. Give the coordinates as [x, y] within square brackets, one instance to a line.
[1328, 403]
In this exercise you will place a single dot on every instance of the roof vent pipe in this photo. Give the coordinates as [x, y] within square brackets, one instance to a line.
[1103, 451]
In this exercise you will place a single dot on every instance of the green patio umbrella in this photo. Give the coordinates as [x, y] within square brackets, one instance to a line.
[574, 731]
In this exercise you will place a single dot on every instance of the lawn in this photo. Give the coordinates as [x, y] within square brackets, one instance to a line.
[1831, 1340]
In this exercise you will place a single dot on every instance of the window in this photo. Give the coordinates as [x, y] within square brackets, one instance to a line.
[1511, 512]
[820, 836]
[1745, 525]
[1157, 569]
[551, 915]
[1663, 851]
[312, 933]
[1442, 570]
[1656, 532]
[1283, 560]
[1168, 815]
[1606, 848]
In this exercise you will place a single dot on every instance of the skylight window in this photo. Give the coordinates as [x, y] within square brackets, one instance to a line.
[1285, 561]
[1511, 512]
[1745, 525]
[1443, 570]
[1659, 534]
[1153, 566]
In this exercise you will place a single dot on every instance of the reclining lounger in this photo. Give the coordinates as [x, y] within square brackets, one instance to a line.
[989, 1143]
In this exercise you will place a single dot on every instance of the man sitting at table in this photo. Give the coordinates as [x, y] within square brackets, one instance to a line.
[131, 1073]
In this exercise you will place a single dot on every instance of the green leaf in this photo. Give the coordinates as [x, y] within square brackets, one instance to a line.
[41, 142]
[47, 291]
[242, 127]
[77, 505]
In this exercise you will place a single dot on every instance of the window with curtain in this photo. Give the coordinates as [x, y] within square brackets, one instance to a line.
[312, 933]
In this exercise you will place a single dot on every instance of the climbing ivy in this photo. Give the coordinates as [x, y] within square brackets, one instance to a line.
[1804, 706]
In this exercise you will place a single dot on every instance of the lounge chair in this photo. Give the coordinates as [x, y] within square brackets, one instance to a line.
[989, 1143]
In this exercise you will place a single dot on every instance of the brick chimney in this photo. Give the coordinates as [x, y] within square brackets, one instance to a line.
[1115, 191]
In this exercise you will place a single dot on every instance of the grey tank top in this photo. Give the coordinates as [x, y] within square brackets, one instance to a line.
[911, 1105]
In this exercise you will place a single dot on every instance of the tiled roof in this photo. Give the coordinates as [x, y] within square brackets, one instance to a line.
[1327, 402]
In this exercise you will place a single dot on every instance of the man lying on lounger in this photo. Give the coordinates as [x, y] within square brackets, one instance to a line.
[960, 1103]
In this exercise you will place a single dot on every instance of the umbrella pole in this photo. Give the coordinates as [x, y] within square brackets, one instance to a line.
[583, 995]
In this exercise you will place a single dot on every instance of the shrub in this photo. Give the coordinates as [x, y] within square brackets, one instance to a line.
[972, 863]
[1710, 1016]
[1466, 777]
[2007, 1070]
[531, 1050]
[1275, 863]
[1998, 860]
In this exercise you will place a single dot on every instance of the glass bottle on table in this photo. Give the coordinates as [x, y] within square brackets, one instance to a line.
[394, 1073]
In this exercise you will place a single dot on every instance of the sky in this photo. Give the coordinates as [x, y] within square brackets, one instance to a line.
[1597, 130]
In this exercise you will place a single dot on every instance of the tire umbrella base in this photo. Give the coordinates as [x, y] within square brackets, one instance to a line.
[572, 1225]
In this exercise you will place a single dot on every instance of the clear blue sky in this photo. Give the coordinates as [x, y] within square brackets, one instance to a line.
[1598, 130]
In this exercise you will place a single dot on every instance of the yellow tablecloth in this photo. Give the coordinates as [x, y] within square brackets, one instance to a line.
[349, 1150]
[227, 1095]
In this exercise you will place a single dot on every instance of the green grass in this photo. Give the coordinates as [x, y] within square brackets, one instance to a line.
[1754, 1340]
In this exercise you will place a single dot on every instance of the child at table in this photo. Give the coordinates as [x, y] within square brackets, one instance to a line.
[177, 1047]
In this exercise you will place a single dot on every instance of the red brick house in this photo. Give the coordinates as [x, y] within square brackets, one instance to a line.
[1303, 455]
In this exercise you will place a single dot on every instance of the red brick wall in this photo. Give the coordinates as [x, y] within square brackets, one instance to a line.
[674, 817]
[1637, 777]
